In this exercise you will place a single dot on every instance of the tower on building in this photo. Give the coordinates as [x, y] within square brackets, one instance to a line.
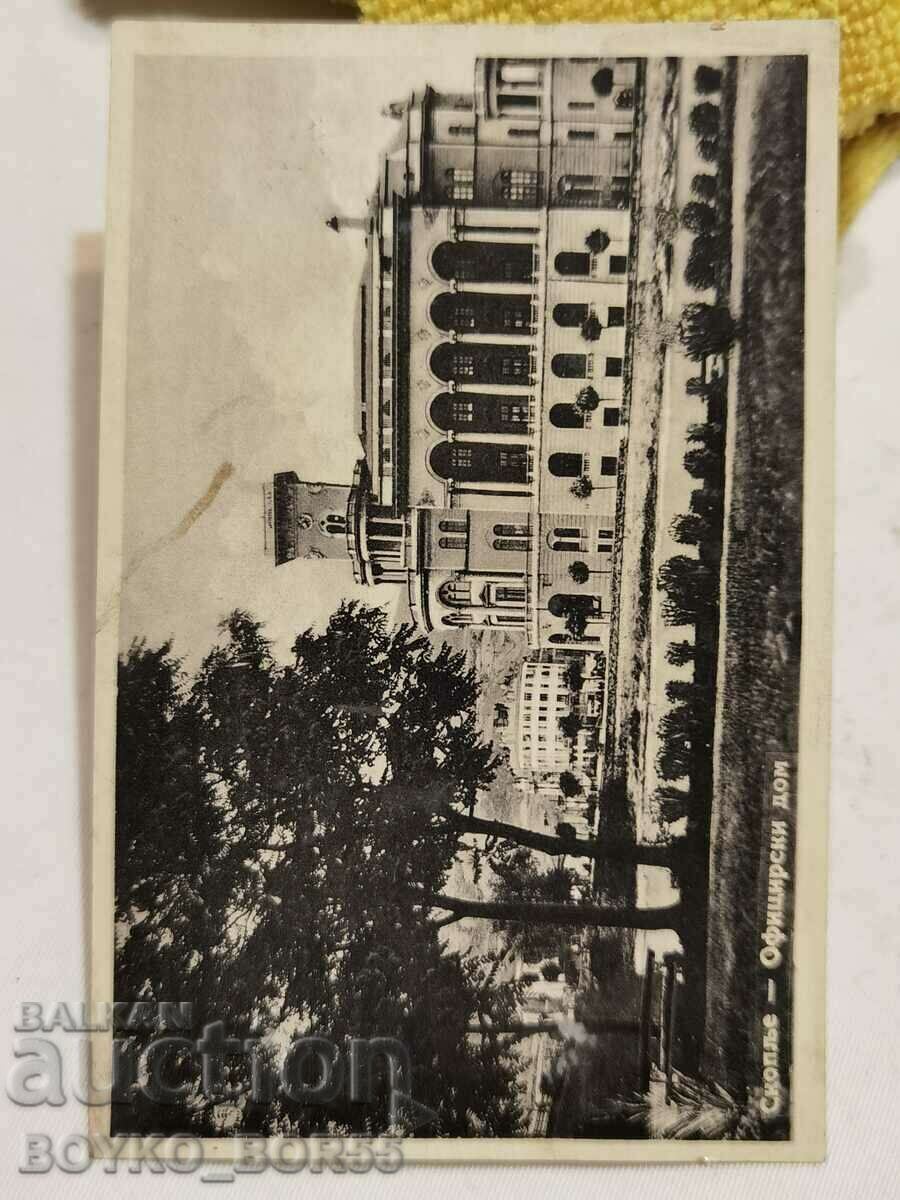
[304, 520]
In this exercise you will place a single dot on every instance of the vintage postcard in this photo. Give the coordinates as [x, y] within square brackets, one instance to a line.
[464, 596]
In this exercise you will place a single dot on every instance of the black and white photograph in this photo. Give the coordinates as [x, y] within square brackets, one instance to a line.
[462, 704]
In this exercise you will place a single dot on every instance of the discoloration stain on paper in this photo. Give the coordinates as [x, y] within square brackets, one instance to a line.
[197, 510]
[191, 517]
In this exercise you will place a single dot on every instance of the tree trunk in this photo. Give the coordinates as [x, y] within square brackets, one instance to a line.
[658, 855]
[665, 916]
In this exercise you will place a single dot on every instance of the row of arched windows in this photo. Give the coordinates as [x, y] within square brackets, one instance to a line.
[510, 262]
[489, 462]
[480, 412]
[484, 312]
[484, 362]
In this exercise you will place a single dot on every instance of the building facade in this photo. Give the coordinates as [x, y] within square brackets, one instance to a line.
[492, 357]
[555, 727]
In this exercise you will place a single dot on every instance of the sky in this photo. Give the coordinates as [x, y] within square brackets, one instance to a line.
[241, 314]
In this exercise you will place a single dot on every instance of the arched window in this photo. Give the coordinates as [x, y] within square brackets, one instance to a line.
[452, 543]
[566, 466]
[566, 416]
[452, 526]
[563, 603]
[482, 312]
[481, 362]
[570, 316]
[455, 593]
[602, 82]
[333, 524]
[484, 462]
[510, 543]
[457, 618]
[480, 412]
[511, 531]
[569, 366]
[488, 262]
[572, 262]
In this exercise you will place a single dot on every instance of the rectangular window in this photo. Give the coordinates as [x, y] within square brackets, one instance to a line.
[513, 460]
[581, 135]
[614, 367]
[623, 137]
[463, 366]
[581, 104]
[514, 414]
[508, 100]
[461, 411]
[461, 183]
[604, 548]
[516, 318]
[618, 264]
[519, 187]
[514, 366]
[464, 316]
[611, 416]
[461, 456]
[615, 318]
[605, 533]
[608, 465]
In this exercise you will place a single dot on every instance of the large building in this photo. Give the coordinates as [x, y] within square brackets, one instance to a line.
[555, 726]
[492, 357]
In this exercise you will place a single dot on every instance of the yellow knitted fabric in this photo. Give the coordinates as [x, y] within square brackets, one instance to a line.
[870, 56]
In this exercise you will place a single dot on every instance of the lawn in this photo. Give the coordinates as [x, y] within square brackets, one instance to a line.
[760, 654]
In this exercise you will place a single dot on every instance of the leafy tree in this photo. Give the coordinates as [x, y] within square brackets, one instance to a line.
[708, 148]
[700, 271]
[582, 488]
[569, 784]
[680, 654]
[688, 528]
[702, 463]
[587, 400]
[570, 725]
[297, 893]
[591, 328]
[579, 571]
[707, 79]
[705, 186]
[707, 329]
[673, 761]
[703, 119]
[673, 803]
[698, 217]
[707, 433]
[574, 675]
[597, 241]
[691, 589]
[681, 691]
